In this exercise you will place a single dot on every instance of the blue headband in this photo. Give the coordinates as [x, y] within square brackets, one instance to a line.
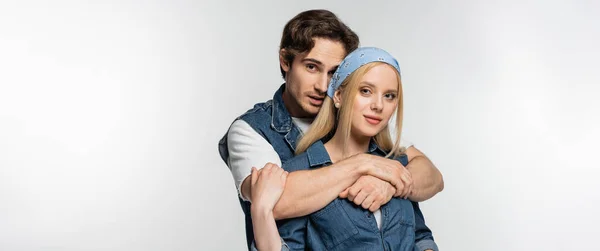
[355, 60]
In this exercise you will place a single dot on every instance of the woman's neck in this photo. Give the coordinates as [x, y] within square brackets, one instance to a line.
[339, 150]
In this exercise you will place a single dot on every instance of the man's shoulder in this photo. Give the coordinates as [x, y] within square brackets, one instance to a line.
[259, 110]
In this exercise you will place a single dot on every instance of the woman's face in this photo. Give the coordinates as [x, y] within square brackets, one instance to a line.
[376, 101]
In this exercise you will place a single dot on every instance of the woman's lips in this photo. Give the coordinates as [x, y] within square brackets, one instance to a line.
[372, 120]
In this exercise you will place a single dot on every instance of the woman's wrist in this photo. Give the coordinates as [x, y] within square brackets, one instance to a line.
[259, 210]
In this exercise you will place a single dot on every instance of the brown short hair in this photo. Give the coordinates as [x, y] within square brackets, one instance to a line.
[299, 32]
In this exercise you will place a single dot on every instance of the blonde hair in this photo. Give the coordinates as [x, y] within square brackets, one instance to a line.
[330, 118]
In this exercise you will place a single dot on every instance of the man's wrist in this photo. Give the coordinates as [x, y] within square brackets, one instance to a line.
[359, 165]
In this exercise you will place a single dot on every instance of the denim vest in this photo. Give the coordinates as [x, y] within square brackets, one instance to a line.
[343, 225]
[273, 122]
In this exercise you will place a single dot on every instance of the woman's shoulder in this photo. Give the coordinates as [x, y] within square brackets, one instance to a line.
[316, 155]
[402, 158]
[298, 162]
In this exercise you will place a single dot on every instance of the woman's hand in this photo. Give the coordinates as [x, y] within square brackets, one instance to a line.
[267, 185]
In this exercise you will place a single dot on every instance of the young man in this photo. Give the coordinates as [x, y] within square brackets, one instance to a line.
[312, 46]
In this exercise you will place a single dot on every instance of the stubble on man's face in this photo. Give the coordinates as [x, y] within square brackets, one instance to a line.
[308, 78]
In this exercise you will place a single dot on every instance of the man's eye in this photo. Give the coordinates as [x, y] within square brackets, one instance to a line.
[311, 67]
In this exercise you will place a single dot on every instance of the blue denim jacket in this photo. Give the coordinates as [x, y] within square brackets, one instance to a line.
[342, 225]
[273, 122]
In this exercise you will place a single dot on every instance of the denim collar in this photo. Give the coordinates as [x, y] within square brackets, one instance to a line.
[375, 149]
[318, 156]
[281, 120]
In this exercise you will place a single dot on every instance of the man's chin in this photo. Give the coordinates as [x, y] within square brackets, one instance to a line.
[311, 110]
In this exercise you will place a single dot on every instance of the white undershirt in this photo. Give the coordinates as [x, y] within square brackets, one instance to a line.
[249, 149]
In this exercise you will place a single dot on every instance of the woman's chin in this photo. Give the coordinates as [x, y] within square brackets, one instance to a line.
[367, 133]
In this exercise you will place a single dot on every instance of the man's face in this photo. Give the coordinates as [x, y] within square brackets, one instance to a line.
[308, 77]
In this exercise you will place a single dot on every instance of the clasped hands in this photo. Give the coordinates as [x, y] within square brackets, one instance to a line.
[383, 179]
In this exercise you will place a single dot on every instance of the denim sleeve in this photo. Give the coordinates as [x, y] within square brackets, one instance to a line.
[284, 246]
[423, 237]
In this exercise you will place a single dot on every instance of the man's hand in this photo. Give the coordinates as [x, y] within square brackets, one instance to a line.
[369, 192]
[388, 170]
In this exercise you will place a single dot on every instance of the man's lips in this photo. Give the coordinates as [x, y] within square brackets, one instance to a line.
[373, 120]
[316, 100]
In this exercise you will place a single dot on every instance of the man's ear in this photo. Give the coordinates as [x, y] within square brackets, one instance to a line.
[282, 62]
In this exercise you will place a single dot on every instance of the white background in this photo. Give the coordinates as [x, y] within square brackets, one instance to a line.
[110, 114]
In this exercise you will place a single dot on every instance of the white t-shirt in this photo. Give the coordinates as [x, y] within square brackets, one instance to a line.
[249, 149]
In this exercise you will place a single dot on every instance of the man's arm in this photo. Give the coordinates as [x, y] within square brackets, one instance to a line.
[427, 179]
[306, 191]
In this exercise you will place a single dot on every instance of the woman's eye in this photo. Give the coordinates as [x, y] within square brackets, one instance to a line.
[390, 96]
[365, 91]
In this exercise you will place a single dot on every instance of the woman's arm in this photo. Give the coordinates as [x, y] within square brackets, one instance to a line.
[265, 230]
[267, 187]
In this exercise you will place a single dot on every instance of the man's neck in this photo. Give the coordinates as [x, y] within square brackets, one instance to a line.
[339, 150]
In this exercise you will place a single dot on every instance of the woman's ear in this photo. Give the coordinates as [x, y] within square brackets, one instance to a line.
[337, 98]
[282, 61]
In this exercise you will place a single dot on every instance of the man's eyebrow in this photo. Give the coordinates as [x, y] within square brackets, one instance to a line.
[312, 60]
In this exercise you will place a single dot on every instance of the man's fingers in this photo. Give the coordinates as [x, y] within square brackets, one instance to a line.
[408, 172]
[405, 191]
[344, 194]
[390, 193]
[360, 198]
[374, 206]
[399, 189]
[408, 184]
[366, 204]
[353, 192]
[406, 181]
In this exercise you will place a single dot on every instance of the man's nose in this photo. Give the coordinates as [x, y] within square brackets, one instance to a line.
[321, 86]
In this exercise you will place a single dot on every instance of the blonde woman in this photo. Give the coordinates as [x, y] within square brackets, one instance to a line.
[364, 93]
